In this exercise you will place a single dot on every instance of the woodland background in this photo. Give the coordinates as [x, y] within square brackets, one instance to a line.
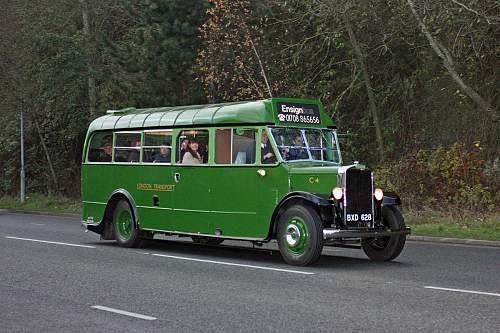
[413, 85]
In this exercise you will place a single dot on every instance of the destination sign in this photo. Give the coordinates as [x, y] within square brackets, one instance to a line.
[299, 113]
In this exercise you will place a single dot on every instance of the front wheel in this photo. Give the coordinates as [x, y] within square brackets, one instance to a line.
[300, 235]
[126, 233]
[386, 248]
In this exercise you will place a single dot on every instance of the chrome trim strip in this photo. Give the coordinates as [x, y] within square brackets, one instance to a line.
[212, 211]
[153, 207]
[94, 224]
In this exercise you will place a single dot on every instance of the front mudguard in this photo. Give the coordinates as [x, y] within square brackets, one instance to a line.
[322, 203]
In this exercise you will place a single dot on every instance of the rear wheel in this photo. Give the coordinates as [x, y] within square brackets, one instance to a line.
[126, 233]
[386, 248]
[300, 235]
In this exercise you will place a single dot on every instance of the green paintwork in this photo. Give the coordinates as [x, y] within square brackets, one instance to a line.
[211, 199]
[313, 177]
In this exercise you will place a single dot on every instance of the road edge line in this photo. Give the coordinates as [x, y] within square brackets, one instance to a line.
[49, 242]
[123, 312]
[233, 264]
[465, 291]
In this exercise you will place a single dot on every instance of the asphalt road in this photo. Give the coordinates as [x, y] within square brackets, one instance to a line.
[79, 283]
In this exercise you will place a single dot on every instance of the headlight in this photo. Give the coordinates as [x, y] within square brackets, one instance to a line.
[337, 193]
[379, 194]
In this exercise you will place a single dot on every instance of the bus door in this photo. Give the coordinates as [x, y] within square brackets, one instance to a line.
[156, 185]
[191, 176]
[243, 193]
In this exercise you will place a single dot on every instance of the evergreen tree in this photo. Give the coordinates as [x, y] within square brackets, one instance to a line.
[161, 49]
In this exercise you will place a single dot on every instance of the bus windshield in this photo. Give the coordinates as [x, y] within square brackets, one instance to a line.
[297, 144]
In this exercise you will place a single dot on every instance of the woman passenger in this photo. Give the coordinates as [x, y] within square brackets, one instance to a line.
[192, 156]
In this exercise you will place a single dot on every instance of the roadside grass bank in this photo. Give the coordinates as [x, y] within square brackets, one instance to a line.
[428, 223]
[43, 203]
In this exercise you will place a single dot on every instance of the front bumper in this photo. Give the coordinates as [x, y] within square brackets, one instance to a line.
[331, 234]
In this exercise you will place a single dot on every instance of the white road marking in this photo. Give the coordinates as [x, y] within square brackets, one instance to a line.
[48, 242]
[37, 223]
[463, 291]
[233, 264]
[122, 312]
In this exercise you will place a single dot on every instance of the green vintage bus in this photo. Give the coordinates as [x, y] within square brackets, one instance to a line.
[256, 171]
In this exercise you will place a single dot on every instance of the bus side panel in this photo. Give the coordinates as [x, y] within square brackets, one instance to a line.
[192, 198]
[96, 191]
[154, 197]
[243, 201]
[99, 181]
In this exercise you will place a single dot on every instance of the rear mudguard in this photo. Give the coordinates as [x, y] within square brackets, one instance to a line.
[105, 227]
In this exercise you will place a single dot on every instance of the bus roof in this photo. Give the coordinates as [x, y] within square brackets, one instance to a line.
[275, 111]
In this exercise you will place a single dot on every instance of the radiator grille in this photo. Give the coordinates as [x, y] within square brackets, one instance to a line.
[358, 197]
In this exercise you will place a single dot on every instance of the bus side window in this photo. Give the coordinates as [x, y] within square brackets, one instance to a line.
[127, 146]
[194, 144]
[157, 146]
[100, 147]
[235, 146]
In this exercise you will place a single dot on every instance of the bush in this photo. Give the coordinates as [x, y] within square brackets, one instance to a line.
[455, 179]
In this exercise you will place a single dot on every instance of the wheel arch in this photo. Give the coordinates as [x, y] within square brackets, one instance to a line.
[318, 202]
[106, 227]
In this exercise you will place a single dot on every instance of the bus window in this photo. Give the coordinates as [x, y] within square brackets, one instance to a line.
[235, 146]
[157, 146]
[192, 147]
[127, 146]
[100, 147]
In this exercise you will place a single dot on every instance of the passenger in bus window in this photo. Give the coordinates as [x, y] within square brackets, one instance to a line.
[266, 152]
[192, 156]
[163, 156]
[297, 152]
[135, 154]
[107, 149]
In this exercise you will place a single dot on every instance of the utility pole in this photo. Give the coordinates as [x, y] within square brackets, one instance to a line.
[23, 181]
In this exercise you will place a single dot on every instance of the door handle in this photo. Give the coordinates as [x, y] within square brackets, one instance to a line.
[177, 177]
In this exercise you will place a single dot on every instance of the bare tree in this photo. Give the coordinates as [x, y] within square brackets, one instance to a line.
[90, 57]
[448, 63]
[371, 97]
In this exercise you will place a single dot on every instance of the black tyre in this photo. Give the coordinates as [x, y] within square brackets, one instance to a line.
[300, 235]
[386, 248]
[126, 233]
[207, 240]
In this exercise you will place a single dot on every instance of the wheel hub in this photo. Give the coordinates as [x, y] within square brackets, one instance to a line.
[292, 235]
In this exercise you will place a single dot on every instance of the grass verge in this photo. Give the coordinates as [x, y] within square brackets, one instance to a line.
[43, 203]
[438, 225]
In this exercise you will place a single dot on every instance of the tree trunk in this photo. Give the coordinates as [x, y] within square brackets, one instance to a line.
[44, 146]
[445, 56]
[369, 90]
[89, 45]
